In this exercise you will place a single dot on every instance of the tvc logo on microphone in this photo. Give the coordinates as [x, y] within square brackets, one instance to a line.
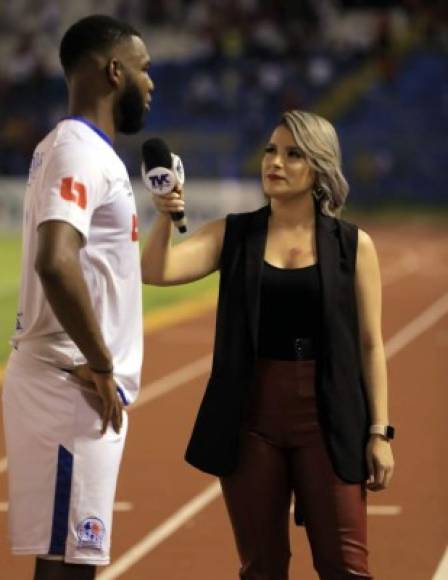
[161, 181]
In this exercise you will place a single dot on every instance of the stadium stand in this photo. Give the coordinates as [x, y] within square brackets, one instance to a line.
[225, 70]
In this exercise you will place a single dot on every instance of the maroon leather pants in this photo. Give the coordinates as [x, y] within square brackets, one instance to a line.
[282, 453]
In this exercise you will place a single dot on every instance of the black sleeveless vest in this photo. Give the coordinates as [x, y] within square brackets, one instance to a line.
[340, 392]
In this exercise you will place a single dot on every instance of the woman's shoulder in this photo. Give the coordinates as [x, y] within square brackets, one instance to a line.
[362, 240]
[351, 228]
[365, 244]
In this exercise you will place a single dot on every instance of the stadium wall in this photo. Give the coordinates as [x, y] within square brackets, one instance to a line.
[206, 199]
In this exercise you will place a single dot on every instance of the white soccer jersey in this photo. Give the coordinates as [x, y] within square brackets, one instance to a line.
[77, 177]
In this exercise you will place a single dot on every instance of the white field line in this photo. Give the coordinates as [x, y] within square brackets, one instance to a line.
[399, 341]
[384, 510]
[375, 510]
[159, 534]
[170, 382]
[123, 506]
[119, 506]
[417, 326]
[442, 569]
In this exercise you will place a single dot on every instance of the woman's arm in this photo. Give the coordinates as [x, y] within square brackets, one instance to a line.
[368, 297]
[165, 264]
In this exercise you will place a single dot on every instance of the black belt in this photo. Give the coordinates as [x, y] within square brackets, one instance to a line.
[304, 349]
[300, 348]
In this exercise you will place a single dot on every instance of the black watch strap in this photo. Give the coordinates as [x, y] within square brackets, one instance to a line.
[386, 431]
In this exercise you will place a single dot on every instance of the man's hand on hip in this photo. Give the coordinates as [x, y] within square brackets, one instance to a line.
[106, 388]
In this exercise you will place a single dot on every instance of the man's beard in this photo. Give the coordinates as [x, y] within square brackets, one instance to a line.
[129, 109]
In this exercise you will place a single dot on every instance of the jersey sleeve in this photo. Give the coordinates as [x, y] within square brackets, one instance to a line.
[72, 187]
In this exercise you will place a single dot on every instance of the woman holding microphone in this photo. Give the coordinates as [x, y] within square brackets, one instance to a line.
[296, 404]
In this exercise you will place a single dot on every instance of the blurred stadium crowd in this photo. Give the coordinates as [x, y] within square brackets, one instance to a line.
[224, 70]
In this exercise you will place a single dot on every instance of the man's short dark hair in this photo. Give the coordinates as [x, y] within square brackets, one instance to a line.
[95, 33]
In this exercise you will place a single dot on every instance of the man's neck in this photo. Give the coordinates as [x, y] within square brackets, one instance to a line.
[97, 113]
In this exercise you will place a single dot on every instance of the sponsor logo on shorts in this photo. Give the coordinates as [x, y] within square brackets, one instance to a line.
[91, 532]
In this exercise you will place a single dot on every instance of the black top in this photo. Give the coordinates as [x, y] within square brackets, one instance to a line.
[290, 307]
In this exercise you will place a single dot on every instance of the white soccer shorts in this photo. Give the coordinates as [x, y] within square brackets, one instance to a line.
[62, 472]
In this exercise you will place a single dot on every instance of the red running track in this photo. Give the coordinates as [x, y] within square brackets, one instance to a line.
[170, 522]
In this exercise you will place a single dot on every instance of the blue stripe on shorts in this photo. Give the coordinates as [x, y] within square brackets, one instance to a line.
[61, 508]
[122, 396]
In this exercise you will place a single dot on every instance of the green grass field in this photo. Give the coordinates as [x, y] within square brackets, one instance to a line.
[10, 251]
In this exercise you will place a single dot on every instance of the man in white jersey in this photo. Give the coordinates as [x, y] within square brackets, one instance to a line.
[78, 347]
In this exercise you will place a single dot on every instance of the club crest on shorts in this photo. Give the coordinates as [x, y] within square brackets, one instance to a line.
[91, 533]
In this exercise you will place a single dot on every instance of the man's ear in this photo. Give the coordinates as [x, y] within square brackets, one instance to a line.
[114, 70]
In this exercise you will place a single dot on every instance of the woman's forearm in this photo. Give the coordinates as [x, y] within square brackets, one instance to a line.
[375, 378]
[156, 252]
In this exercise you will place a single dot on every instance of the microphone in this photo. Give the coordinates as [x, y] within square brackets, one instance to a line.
[162, 171]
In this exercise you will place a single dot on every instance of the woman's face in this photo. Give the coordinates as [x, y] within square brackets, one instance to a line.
[285, 172]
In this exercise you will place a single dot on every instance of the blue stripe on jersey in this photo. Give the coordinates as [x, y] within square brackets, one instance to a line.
[122, 396]
[61, 508]
[97, 130]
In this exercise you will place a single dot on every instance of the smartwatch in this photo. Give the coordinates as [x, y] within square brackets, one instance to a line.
[386, 431]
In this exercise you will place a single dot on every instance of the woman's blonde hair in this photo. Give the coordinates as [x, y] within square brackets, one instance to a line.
[317, 139]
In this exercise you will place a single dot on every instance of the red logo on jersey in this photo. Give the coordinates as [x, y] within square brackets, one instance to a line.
[72, 190]
[134, 228]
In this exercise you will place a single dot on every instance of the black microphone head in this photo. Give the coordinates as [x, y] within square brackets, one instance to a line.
[156, 154]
